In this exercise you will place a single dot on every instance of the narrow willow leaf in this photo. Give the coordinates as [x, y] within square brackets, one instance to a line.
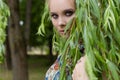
[106, 16]
[94, 4]
[113, 69]
[98, 56]
[114, 6]
[69, 25]
[45, 17]
[62, 69]
[116, 36]
[112, 19]
[76, 56]
[90, 69]
[118, 55]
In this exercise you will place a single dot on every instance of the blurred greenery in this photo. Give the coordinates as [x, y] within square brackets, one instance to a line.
[38, 65]
[36, 14]
[4, 13]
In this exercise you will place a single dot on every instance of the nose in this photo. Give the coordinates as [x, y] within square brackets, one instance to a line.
[61, 22]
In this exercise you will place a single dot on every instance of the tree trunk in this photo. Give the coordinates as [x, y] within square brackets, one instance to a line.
[17, 45]
[50, 49]
[27, 22]
[8, 52]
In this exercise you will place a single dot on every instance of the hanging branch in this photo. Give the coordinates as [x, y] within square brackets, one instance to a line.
[97, 23]
[4, 13]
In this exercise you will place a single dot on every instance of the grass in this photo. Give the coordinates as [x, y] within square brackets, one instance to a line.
[37, 67]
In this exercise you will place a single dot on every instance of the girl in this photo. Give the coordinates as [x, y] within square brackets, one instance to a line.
[61, 12]
[88, 21]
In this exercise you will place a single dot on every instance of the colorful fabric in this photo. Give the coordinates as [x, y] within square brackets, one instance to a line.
[53, 72]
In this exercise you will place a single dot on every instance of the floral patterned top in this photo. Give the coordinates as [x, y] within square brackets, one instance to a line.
[53, 72]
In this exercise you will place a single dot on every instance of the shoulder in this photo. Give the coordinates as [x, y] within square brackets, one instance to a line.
[53, 71]
[79, 72]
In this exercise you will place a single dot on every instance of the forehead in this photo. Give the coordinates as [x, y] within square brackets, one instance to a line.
[58, 5]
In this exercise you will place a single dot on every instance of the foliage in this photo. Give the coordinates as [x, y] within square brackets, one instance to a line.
[4, 13]
[37, 11]
[101, 29]
[36, 14]
[97, 24]
[47, 31]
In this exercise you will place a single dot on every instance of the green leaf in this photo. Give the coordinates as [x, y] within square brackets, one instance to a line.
[4, 13]
[113, 69]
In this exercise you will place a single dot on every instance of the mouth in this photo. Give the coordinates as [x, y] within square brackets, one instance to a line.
[61, 31]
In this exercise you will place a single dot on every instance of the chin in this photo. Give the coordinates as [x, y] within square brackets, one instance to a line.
[66, 36]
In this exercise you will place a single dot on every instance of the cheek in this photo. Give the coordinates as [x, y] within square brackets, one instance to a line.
[54, 23]
[70, 18]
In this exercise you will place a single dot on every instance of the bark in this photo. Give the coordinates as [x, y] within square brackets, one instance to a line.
[17, 45]
[8, 52]
[50, 49]
[28, 21]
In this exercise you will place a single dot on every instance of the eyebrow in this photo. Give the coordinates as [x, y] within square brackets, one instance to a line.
[51, 13]
[63, 11]
[69, 10]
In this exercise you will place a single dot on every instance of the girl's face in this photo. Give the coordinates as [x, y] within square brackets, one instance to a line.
[61, 11]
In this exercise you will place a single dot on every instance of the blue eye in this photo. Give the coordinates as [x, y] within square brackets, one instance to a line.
[54, 16]
[69, 13]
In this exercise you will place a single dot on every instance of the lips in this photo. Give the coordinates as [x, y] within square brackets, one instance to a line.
[61, 31]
